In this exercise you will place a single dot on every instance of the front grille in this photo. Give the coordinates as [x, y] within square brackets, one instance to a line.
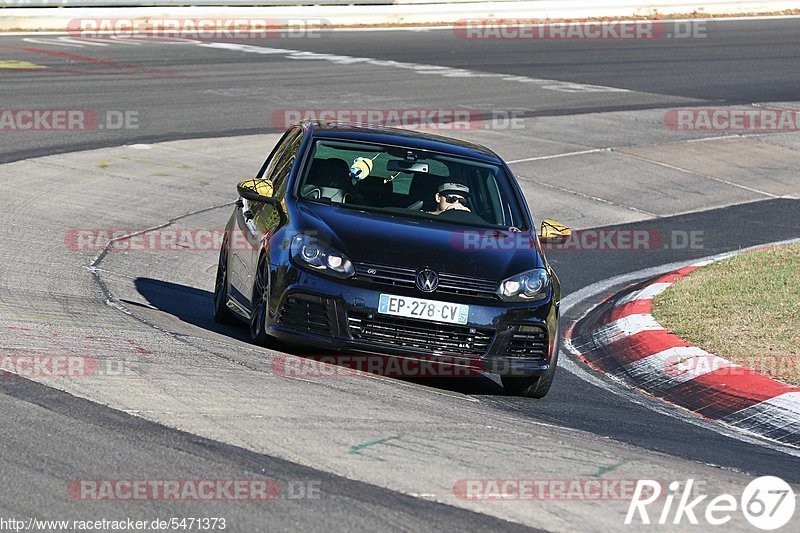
[394, 276]
[305, 314]
[530, 344]
[409, 333]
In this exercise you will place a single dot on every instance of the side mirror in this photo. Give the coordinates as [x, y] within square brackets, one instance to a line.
[554, 232]
[257, 190]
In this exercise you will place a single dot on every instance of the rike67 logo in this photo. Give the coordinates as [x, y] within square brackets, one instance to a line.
[767, 503]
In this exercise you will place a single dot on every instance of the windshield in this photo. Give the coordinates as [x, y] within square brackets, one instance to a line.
[410, 183]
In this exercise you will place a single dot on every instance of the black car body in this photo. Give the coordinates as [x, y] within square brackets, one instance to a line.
[310, 249]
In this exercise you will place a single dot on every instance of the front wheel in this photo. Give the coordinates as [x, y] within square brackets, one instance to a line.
[533, 386]
[258, 314]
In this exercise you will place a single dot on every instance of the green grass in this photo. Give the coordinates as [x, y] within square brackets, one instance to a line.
[745, 309]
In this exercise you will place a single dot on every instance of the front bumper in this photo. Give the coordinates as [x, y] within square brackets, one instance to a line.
[341, 315]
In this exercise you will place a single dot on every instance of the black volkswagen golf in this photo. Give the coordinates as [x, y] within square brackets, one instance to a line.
[375, 240]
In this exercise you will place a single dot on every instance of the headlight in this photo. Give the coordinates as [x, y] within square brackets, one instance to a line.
[311, 253]
[529, 286]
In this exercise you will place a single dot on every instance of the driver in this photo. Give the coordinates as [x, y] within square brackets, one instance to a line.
[451, 196]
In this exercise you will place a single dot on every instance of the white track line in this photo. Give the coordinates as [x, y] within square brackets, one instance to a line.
[80, 42]
[556, 156]
[55, 42]
[118, 39]
[419, 68]
[695, 173]
[588, 196]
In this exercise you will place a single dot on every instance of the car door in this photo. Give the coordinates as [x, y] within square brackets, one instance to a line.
[267, 217]
[245, 236]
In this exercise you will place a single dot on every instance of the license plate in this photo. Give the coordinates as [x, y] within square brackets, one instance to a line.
[423, 309]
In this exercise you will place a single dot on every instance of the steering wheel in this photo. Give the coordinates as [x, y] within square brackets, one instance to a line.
[458, 215]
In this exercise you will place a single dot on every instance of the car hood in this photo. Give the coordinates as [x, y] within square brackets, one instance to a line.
[387, 240]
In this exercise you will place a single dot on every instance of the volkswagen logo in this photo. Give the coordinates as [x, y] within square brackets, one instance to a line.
[427, 280]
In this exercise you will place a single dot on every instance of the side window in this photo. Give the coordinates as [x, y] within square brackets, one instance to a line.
[279, 170]
[269, 165]
[266, 168]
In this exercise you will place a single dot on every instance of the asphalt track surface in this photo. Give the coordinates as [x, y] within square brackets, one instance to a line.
[184, 91]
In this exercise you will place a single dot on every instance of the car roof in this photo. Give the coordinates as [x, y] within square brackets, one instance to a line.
[395, 136]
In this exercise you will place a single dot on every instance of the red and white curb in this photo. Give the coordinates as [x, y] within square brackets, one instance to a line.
[621, 338]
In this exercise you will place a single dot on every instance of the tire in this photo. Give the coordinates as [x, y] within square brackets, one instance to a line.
[533, 386]
[221, 313]
[258, 314]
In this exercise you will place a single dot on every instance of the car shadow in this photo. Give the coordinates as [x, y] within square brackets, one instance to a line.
[189, 304]
[193, 306]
